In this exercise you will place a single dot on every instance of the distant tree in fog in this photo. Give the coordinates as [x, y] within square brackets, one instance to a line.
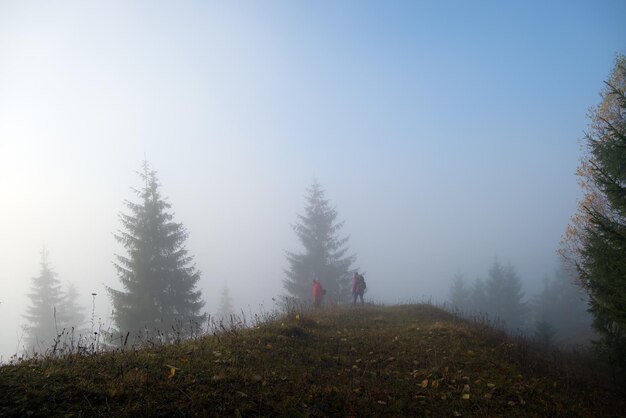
[503, 292]
[544, 333]
[478, 298]
[595, 240]
[157, 275]
[73, 311]
[226, 308]
[563, 305]
[460, 294]
[324, 257]
[45, 314]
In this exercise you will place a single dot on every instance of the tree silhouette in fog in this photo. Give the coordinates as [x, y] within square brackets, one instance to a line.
[45, 315]
[324, 257]
[226, 308]
[503, 293]
[563, 305]
[460, 294]
[73, 311]
[157, 275]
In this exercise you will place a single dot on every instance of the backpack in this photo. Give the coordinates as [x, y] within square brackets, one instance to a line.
[363, 286]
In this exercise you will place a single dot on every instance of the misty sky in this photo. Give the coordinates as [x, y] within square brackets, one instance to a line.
[446, 134]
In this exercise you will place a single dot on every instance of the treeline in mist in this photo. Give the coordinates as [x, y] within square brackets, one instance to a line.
[158, 290]
[54, 309]
[555, 316]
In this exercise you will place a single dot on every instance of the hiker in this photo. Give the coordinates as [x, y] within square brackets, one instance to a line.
[358, 287]
[318, 294]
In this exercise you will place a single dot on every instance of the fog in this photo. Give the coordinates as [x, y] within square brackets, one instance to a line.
[445, 136]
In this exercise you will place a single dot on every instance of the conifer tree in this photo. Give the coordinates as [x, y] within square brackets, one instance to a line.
[324, 257]
[595, 241]
[563, 305]
[157, 275]
[226, 308]
[74, 313]
[503, 291]
[478, 298]
[45, 315]
[544, 333]
[460, 294]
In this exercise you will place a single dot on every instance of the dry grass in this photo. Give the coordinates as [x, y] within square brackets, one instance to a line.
[410, 360]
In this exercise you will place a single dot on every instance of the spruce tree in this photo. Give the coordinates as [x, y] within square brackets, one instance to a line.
[45, 315]
[595, 241]
[563, 305]
[544, 333]
[478, 298]
[157, 275]
[460, 295]
[74, 313]
[324, 257]
[503, 291]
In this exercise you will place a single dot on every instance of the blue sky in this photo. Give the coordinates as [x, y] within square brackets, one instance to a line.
[445, 133]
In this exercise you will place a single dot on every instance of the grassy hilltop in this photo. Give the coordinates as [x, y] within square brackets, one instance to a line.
[410, 360]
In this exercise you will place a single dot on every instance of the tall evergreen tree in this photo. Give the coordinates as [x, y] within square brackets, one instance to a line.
[45, 315]
[157, 275]
[503, 291]
[324, 257]
[595, 241]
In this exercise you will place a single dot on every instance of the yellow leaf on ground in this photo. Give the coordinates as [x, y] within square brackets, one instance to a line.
[424, 383]
[465, 396]
[172, 371]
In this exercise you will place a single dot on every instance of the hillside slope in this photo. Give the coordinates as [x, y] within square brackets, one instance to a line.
[411, 360]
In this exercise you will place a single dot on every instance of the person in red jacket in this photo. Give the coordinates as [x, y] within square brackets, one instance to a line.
[318, 294]
[358, 287]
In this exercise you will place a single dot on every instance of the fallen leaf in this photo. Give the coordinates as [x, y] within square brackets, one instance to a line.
[424, 383]
[172, 371]
[465, 396]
